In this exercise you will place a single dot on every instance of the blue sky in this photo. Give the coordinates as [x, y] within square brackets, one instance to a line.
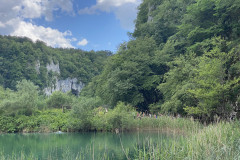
[84, 24]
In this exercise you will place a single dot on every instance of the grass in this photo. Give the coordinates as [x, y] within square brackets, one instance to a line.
[121, 117]
[215, 142]
[169, 124]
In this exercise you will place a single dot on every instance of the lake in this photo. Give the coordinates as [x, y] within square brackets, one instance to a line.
[71, 145]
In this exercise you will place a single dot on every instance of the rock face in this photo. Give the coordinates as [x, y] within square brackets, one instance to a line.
[67, 85]
[37, 66]
[150, 9]
[53, 67]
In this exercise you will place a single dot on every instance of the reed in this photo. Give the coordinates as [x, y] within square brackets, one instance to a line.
[216, 141]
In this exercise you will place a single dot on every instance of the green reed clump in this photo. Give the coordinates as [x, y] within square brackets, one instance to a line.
[169, 124]
[221, 141]
[20, 156]
[125, 118]
[218, 141]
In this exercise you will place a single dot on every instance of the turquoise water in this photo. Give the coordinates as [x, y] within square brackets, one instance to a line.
[72, 145]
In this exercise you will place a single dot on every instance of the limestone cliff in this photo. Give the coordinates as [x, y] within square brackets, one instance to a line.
[63, 85]
[67, 85]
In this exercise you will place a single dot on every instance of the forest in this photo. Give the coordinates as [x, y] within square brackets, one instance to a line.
[178, 77]
[182, 59]
[20, 57]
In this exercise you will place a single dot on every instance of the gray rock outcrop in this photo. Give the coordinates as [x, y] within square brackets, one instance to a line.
[53, 67]
[66, 85]
[150, 9]
[37, 67]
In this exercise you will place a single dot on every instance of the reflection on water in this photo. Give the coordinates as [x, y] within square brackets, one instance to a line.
[86, 145]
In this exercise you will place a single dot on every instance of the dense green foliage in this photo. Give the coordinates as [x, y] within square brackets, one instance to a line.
[25, 110]
[131, 75]
[19, 58]
[183, 59]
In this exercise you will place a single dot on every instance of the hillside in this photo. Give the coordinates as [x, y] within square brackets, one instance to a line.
[183, 59]
[49, 68]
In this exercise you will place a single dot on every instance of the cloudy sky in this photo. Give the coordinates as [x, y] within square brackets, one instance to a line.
[84, 24]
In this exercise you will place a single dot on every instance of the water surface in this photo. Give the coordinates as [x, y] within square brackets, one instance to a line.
[72, 145]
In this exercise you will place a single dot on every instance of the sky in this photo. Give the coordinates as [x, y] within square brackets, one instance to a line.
[81, 24]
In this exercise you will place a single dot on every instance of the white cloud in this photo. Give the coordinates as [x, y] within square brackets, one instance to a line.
[124, 10]
[83, 42]
[2, 25]
[74, 39]
[30, 9]
[53, 5]
[33, 8]
[14, 14]
[50, 36]
[67, 33]
[115, 3]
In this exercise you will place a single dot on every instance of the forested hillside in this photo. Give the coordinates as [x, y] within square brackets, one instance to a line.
[20, 58]
[183, 58]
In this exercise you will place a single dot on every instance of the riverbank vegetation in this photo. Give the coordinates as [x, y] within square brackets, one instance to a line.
[218, 141]
[190, 138]
[182, 59]
[68, 113]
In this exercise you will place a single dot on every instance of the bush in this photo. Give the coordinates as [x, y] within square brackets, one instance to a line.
[82, 111]
[121, 117]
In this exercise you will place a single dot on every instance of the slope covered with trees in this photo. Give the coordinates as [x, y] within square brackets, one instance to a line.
[20, 57]
[183, 58]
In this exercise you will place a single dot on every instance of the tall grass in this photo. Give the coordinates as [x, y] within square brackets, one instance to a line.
[188, 140]
[124, 118]
[219, 141]
[169, 124]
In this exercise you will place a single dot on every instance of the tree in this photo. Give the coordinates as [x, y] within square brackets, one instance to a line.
[24, 101]
[82, 110]
[129, 76]
[177, 82]
[213, 85]
[59, 100]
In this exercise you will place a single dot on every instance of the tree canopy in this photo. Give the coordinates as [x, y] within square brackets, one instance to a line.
[20, 58]
[183, 58]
